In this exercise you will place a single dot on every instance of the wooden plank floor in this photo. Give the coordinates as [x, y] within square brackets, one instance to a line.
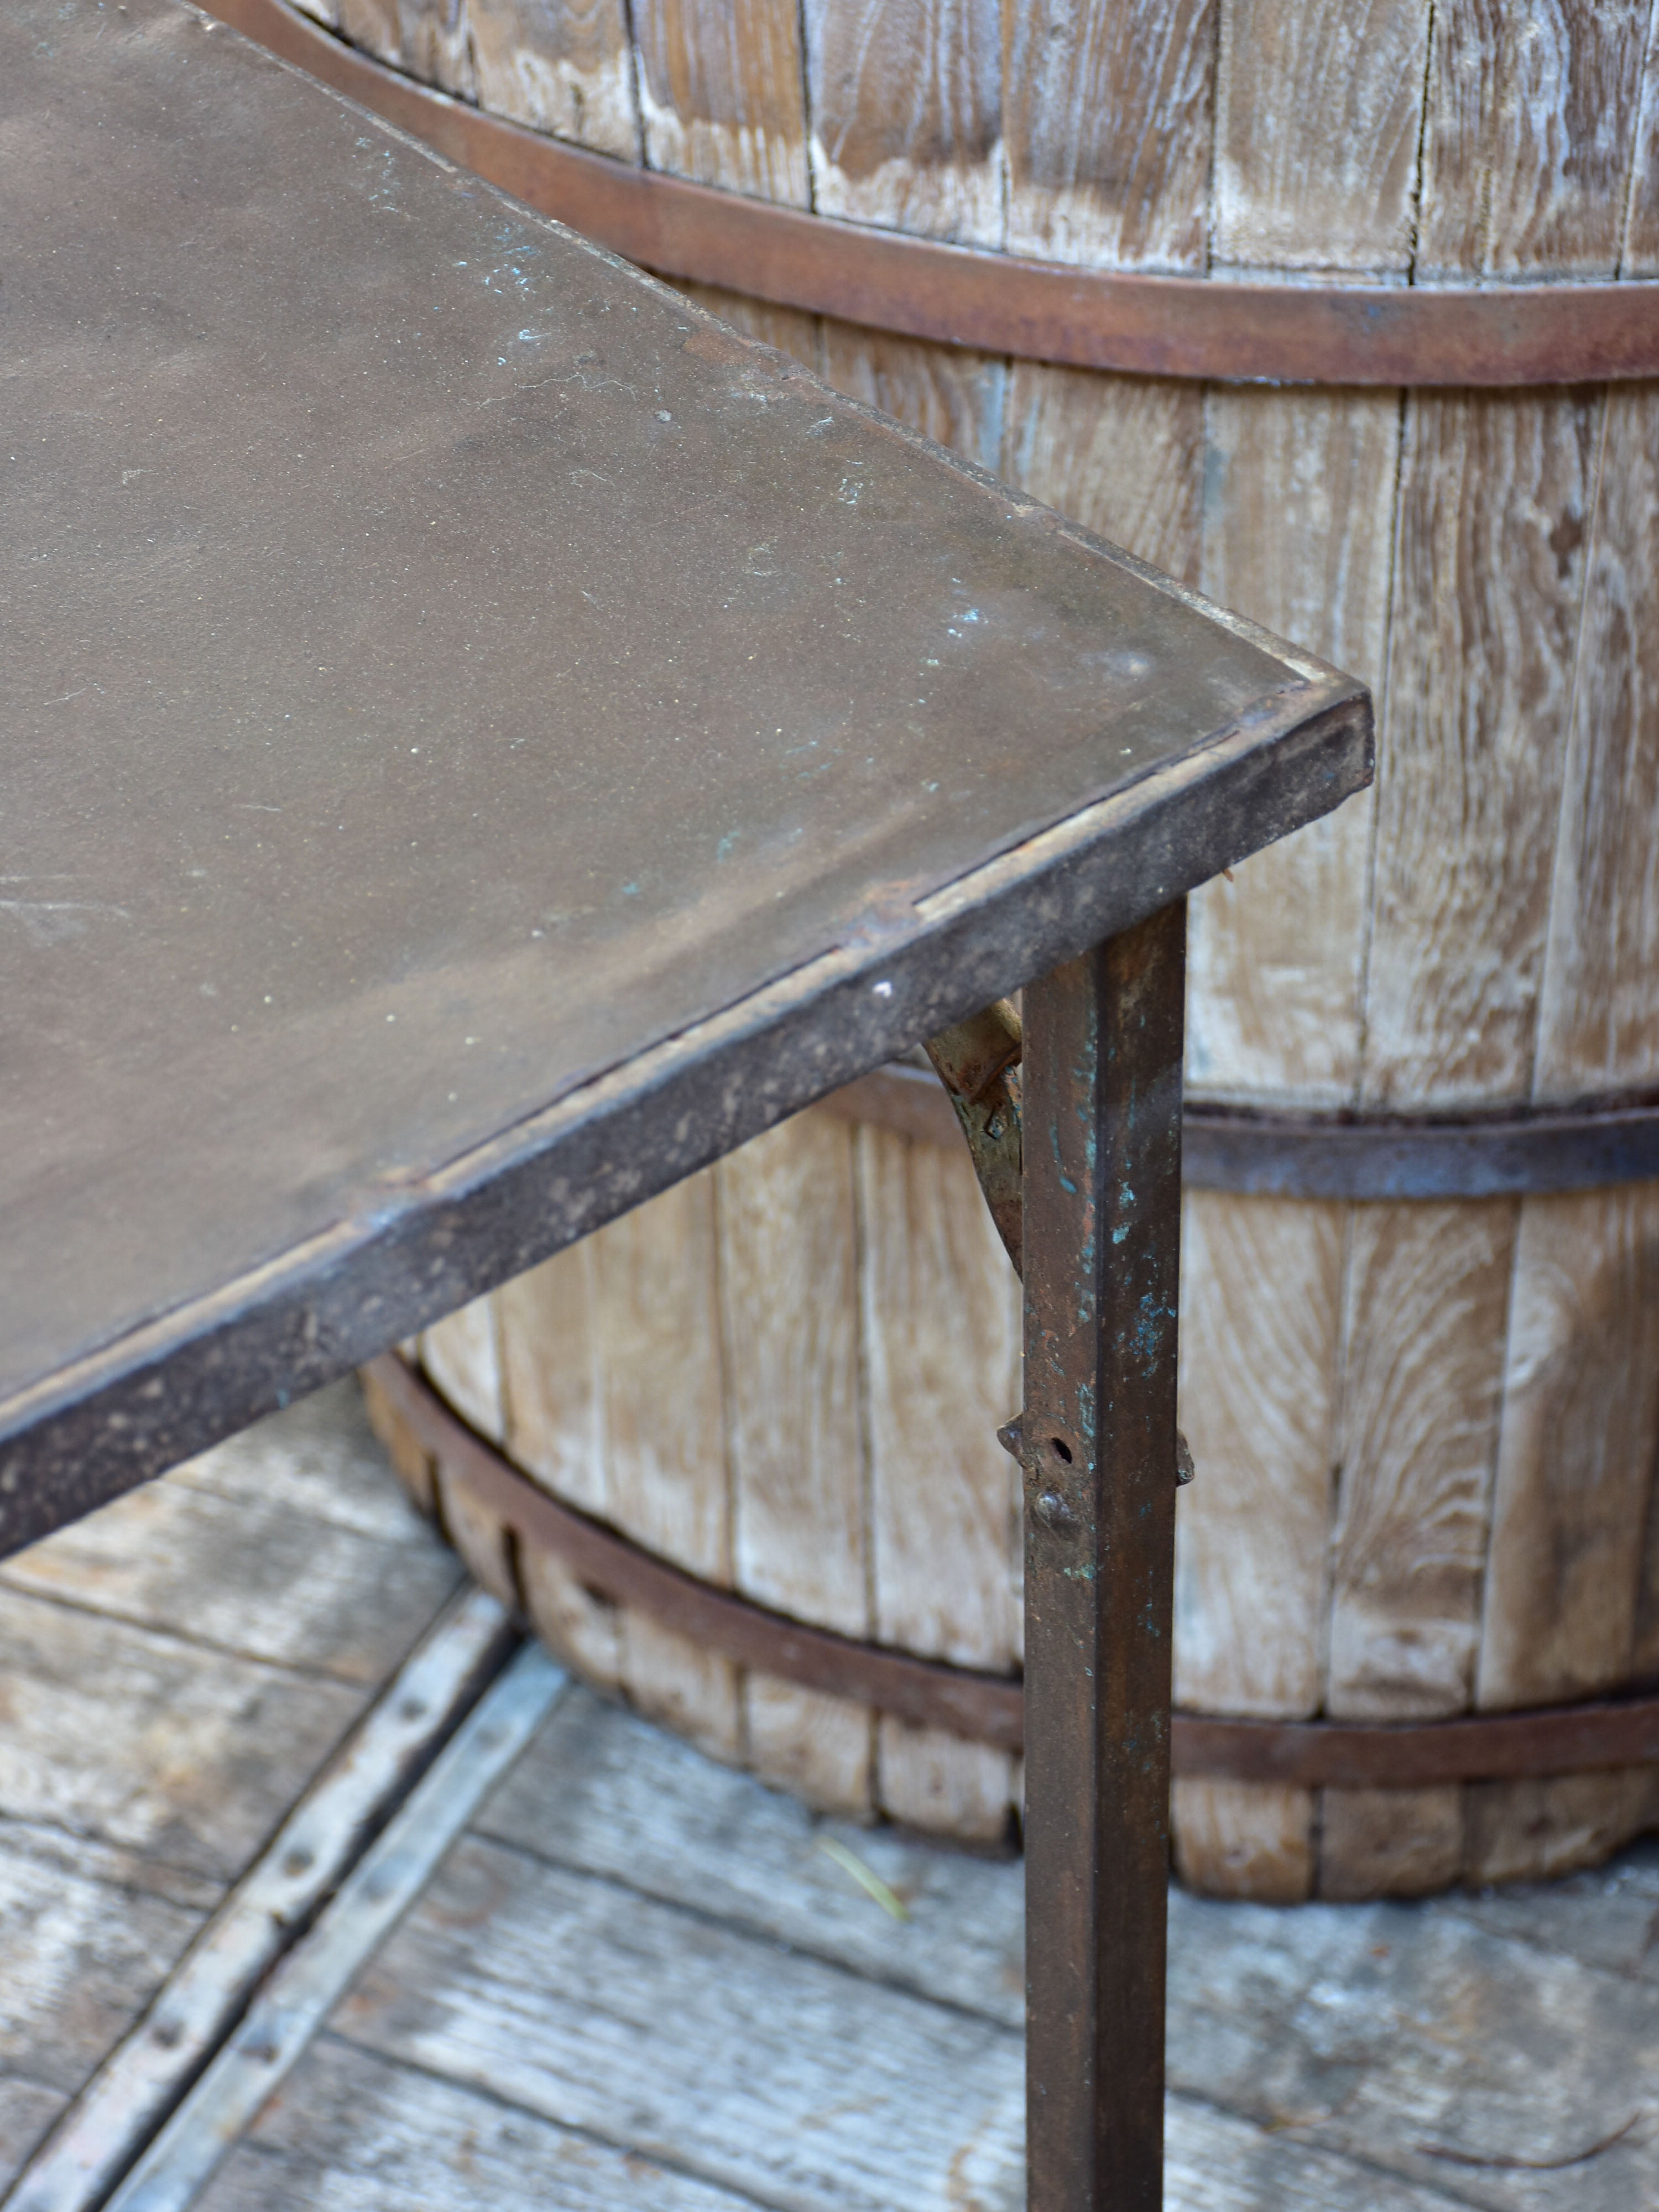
[640, 1980]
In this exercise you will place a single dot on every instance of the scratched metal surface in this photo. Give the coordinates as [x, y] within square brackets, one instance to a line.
[438, 663]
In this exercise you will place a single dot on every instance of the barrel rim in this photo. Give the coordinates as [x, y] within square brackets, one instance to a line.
[1581, 1737]
[1222, 330]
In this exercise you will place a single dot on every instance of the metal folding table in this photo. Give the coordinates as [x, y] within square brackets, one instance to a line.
[482, 740]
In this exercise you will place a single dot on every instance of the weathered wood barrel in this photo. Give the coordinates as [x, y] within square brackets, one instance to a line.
[1421, 1320]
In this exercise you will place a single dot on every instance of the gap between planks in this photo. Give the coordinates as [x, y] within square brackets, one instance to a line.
[116, 2116]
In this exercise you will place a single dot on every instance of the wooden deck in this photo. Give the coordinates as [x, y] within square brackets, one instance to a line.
[637, 1979]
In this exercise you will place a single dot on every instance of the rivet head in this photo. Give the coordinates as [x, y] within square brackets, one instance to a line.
[1054, 1513]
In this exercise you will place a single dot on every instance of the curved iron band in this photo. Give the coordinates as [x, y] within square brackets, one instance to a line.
[1282, 1155]
[990, 1708]
[1288, 1156]
[1090, 318]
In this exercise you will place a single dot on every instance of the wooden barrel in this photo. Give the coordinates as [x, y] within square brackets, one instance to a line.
[1421, 1317]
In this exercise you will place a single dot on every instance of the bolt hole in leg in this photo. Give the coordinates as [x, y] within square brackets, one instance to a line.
[1061, 1448]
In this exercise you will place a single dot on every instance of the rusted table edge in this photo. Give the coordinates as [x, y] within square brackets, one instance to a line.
[1280, 1155]
[1147, 325]
[989, 1708]
[416, 1250]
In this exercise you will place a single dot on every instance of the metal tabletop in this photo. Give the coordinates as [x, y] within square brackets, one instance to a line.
[481, 739]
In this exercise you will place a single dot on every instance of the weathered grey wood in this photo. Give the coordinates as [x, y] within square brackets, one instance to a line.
[28, 2109]
[633, 1910]
[1422, 2020]
[155, 1740]
[1377, 2030]
[147, 1736]
[1216, 2163]
[132, 2092]
[355, 2134]
[86, 1932]
[756, 2069]
[905, 117]
[291, 2005]
[248, 1575]
[601, 1793]
[140, 1768]
[1608, 1919]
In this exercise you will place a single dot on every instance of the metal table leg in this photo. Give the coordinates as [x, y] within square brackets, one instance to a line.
[1101, 1260]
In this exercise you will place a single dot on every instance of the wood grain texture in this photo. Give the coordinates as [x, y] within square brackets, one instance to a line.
[319, 1460]
[351, 2129]
[1427, 1296]
[786, 328]
[249, 1576]
[551, 1373]
[1426, 1305]
[663, 1428]
[461, 1355]
[600, 1794]
[933, 1781]
[145, 1743]
[1599, 1018]
[1575, 1472]
[1639, 247]
[425, 38]
[1602, 1920]
[1260, 1314]
[354, 2130]
[906, 114]
[87, 1934]
[1510, 721]
[1537, 1831]
[1123, 455]
[578, 1626]
[562, 66]
[789, 1320]
[1107, 121]
[940, 1316]
[721, 94]
[1528, 139]
[168, 1731]
[488, 1549]
[1382, 2031]
[1242, 1839]
[1389, 1843]
[769, 2074]
[941, 1313]
[1496, 493]
[950, 393]
[27, 2109]
[1318, 112]
[1575, 1468]
[1297, 532]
